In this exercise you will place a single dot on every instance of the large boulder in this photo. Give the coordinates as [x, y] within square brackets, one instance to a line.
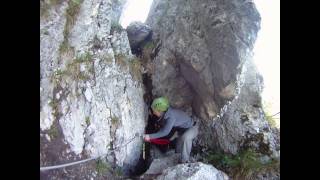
[203, 46]
[159, 164]
[138, 32]
[241, 123]
[168, 167]
[192, 171]
[201, 59]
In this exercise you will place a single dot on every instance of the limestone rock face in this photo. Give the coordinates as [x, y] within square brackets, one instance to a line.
[197, 53]
[90, 102]
[203, 45]
[201, 59]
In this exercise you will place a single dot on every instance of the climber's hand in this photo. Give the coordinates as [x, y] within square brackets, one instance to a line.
[146, 137]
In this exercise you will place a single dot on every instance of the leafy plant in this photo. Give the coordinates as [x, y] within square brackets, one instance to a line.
[54, 106]
[121, 61]
[118, 172]
[115, 26]
[242, 164]
[271, 120]
[114, 120]
[88, 120]
[71, 14]
[102, 167]
[53, 132]
[149, 45]
[86, 57]
[135, 69]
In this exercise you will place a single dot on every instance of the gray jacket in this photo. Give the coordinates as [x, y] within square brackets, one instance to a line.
[173, 118]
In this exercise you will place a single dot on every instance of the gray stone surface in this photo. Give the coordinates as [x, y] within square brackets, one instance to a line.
[204, 61]
[137, 33]
[201, 54]
[89, 102]
[203, 47]
[159, 164]
[192, 171]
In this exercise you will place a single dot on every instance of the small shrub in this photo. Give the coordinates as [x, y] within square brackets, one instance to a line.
[46, 5]
[114, 120]
[135, 69]
[121, 61]
[149, 45]
[242, 164]
[102, 167]
[115, 26]
[118, 172]
[53, 132]
[71, 13]
[73, 68]
[108, 59]
[46, 32]
[58, 74]
[54, 106]
[78, 2]
[88, 120]
[271, 120]
[84, 58]
[64, 46]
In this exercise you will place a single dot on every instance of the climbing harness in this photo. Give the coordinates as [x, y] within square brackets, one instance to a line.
[85, 160]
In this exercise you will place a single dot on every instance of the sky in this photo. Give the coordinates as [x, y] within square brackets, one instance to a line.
[135, 10]
[266, 50]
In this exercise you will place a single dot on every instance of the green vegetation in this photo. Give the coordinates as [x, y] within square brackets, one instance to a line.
[53, 132]
[71, 14]
[64, 46]
[45, 32]
[268, 115]
[59, 72]
[102, 167]
[73, 69]
[149, 45]
[271, 120]
[121, 61]
[135, 69]
[243, 164]
[134, 66]
[118, 172]
[114, 120]
[77, 1]
[88, 120]
[54, 106]
[46, 5]
[115, 26]
[108, 59]
[84, 58]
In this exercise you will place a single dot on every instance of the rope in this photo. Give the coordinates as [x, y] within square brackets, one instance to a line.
[275, 114]
[89, 159]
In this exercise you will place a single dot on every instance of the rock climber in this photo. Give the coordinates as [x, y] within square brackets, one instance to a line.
[174, 118]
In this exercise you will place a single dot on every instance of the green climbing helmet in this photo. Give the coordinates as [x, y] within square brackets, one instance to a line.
[160, 104]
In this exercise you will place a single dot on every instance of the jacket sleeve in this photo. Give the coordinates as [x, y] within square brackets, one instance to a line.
[165, 130]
